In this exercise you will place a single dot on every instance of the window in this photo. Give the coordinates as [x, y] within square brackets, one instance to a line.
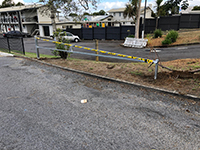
[113, 14]
[119, 14]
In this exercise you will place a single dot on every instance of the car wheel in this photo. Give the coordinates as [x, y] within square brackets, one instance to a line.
[76, 40]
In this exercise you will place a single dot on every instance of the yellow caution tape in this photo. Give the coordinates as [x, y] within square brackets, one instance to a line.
[101, 51]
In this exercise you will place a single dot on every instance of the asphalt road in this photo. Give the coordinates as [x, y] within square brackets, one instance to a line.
[41, 109]
[165, 54]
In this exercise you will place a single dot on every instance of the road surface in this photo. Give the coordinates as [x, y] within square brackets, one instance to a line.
[41, 109]
[165, 54]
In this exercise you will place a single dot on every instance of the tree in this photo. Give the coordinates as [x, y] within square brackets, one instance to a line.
[172, 5]
[196, 8]
[95, 13]
[7, 3]
[158, 10]
[184, 5]
[133, 11]
[86, 13]
[102, 12]
[19, 4]
[66, 6]
[73, 15]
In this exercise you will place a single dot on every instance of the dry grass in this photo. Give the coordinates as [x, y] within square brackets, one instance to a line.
[180, 80]
[185, 37]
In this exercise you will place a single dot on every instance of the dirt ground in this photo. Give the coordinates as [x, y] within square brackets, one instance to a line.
[181, 80]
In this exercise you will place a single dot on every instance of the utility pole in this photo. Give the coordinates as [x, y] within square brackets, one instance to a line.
[144, 19]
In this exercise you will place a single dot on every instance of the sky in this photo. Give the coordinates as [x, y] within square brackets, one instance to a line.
[109, 4]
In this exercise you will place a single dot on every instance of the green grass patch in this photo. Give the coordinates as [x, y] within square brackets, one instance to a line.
[28, 54]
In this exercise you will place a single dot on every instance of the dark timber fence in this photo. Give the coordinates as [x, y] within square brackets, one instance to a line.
[12, 44]
[107, 33]
[182, 21]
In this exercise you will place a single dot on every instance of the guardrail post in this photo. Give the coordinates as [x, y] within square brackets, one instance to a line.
[156, 68]
[36, 47]
[97, 47]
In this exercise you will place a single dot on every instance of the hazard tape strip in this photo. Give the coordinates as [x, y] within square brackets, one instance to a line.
[149, 61]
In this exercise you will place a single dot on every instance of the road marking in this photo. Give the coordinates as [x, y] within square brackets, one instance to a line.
[182, 48]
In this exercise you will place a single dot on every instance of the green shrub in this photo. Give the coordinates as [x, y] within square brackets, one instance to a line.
[170, 38]
[158, 33]
[172, 35]
[131, 36]
[166, 42]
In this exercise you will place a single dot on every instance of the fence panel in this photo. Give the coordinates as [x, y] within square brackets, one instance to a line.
[13, 44]
[169, 23]
[87, 33]
[3, 43]
[99, 33]
[16, 44]
[189, 21]
[150, 25]
[127, 30]
[113, 33]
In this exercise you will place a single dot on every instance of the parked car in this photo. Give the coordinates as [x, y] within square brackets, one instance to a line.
[16, 34]
[69, 36]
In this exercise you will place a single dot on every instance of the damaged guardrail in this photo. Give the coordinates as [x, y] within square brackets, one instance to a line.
[113, 55]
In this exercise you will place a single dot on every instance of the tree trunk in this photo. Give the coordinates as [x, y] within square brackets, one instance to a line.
[53, 21]
[156, 22]
[137, 25]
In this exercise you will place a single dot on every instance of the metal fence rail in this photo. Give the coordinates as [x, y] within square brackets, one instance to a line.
[104, 53]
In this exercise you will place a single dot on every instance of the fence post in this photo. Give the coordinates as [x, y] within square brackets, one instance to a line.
[97, 47]
[199, 22]
[156, 68]
[8, 44]
[22, 40]
[36, 47]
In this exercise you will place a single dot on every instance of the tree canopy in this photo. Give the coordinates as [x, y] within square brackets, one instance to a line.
[131, 10]
[69, 6]
[196, 8]
[10, 3]
[184, 5]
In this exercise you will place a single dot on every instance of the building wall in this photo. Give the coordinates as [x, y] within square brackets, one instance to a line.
[29, 15]
[44, 15]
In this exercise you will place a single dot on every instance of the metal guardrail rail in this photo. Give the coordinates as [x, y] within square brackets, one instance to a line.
[113, 55]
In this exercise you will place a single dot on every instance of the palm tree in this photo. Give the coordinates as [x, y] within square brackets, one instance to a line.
[158, 10]
[132, 10]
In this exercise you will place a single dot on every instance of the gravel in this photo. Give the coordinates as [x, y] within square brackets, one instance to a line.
[41, 109]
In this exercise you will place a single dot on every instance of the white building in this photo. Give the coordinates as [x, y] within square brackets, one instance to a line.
[28, 18]
[118, 16]
[23, 18]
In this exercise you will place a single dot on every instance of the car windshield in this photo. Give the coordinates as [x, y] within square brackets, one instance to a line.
[62, 34]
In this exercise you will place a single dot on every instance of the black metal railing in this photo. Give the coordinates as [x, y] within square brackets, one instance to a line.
[15, 44]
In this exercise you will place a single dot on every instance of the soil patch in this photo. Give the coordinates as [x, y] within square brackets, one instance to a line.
[180, 80]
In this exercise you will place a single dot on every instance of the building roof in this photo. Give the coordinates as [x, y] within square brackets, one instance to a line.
[19, 8]
[189, 11]
[116, 10]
